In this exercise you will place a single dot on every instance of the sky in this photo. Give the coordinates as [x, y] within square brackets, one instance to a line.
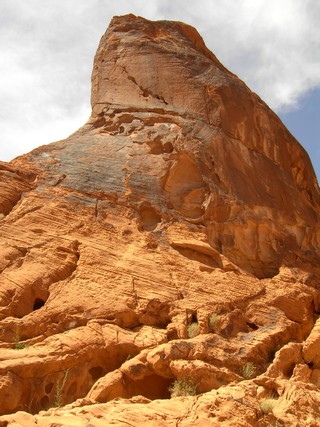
[47, 50]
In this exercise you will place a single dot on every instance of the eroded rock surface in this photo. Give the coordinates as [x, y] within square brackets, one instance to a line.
[175, 236]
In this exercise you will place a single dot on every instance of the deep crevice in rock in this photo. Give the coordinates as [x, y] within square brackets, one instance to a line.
[252, 326]
[38, 303]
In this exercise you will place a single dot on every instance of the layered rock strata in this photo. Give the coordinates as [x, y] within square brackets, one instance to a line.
[175, 236]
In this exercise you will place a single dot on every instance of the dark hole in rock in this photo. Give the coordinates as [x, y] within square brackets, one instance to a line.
[252, 326]
[311, 365]
[194, 318]
[156, 147]
[288, 371]
[272, 354]
[168, 147]
[100, 122]
[149, 218]
[44, 402]
[96, 372]
[48, 388]
[38, 303]
[152, 387]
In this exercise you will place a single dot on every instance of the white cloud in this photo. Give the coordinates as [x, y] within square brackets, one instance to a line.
[47, 49]
[273, 45]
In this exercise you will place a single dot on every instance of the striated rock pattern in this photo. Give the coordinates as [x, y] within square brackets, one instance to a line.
[172, 240]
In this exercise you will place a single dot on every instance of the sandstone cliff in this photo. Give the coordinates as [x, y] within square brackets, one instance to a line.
[173, 239]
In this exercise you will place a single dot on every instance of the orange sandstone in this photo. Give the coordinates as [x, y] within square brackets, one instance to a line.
[182, 200]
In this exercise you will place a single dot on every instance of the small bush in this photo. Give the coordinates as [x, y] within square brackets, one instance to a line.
[18, 345]
[213, 321]
[193, 330]
[183, 388]
[248, 370]
[267, 404]
[58, 401]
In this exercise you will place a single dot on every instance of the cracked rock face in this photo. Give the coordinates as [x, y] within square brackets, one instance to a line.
[174, 237]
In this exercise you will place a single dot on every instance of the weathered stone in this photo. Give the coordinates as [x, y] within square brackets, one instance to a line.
[311, 347]
[174, 236]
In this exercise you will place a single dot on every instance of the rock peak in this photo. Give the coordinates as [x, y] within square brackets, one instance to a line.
[163, 68]
[171, 31]
[137, 56]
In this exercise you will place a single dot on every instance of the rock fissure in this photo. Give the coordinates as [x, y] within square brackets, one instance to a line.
[145, 92]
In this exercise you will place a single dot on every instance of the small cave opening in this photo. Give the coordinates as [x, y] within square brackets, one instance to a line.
[96, 372]
[152, 387]
[192, 326]
[157, 147]
[48, 388]
[252, 326]
[288, 370]
[38, 303]
[150, 218]
[194, 318]
[100, 121]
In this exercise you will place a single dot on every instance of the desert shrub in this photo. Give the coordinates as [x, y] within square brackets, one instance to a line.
[213, 321]
[193, 330]
[267, 404]
[183, 388]
[248, 370]
[59, 389]
[18, 345]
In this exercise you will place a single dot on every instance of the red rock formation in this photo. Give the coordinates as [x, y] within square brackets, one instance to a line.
[174, 236]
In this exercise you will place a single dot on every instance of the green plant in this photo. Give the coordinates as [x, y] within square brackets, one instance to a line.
[18, 345]
[193, 330]
[183, 388]
[267, 404]
[213, 321]
[248, 370]
[59, 389]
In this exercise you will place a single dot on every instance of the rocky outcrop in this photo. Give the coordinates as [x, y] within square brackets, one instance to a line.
[173, 239]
